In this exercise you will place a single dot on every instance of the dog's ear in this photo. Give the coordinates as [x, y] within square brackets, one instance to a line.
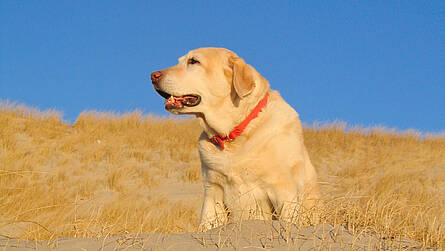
[243, 77]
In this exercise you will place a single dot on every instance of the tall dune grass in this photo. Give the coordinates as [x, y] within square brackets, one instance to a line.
[102, 176]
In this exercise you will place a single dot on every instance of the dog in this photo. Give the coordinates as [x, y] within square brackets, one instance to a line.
[253, 159]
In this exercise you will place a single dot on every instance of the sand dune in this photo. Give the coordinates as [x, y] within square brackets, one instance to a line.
[135, 179]
[248, 235]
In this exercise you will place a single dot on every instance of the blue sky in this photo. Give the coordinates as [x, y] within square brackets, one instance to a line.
[366, 63]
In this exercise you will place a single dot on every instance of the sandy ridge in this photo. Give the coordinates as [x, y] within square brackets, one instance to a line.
[247, 235]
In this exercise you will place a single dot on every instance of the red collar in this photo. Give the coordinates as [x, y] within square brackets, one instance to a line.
[219, 141]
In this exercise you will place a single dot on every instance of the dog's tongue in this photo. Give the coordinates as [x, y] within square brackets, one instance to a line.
[173, 102]
[179, 102]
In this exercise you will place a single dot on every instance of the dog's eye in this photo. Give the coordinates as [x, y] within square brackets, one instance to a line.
[193, 61]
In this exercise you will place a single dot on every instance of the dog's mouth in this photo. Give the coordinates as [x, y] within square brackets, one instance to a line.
[178, 102]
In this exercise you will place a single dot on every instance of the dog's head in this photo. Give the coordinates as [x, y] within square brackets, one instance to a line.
[211, 83]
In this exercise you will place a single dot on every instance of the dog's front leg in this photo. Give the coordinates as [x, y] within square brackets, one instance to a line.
[286, 200]
[213, 213]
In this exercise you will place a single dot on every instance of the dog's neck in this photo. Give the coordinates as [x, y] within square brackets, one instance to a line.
[216, 123]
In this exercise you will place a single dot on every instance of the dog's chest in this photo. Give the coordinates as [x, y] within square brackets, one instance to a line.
[228, 169]
[221, 164]
[236, 164]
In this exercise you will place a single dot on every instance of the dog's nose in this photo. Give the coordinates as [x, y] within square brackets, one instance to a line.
[156, 77]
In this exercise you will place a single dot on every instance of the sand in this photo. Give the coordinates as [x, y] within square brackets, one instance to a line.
[247, 235]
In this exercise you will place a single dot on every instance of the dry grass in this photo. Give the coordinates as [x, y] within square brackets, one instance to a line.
[99, 177]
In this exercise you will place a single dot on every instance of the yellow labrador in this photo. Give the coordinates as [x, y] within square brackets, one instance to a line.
[254, 162]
